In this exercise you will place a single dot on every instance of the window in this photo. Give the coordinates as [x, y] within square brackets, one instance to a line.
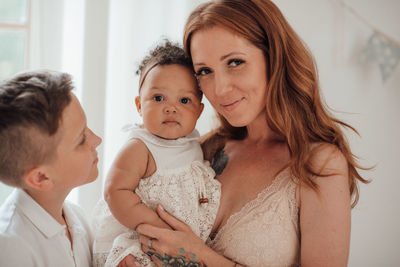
[14, 44]
[14, 36]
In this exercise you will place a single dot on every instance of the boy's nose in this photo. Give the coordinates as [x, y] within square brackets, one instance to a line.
[96, 139]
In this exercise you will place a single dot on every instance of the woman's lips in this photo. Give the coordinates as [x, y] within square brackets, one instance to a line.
[231, 106]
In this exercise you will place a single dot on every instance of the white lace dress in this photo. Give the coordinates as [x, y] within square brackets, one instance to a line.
[181, 179]
[265, 232]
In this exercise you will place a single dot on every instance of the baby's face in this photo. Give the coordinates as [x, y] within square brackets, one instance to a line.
[169, 101]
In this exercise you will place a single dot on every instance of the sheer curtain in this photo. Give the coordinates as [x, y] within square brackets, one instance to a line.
[118, 34]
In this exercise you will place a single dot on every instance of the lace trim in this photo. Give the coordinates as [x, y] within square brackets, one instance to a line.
[99, 259]
[273, 187]
[293, 205]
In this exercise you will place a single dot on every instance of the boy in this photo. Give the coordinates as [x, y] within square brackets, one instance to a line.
[46, 150]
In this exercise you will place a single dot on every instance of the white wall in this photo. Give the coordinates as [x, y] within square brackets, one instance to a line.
[335, 36]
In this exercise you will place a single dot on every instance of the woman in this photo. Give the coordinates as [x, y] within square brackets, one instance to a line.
[288, 176]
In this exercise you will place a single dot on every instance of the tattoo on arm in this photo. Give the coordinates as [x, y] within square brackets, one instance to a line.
[184, 259]
[220, 161]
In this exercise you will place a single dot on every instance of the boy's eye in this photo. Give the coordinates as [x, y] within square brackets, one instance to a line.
[158, 98]
[185, 100]
[235, 62]
[203, 71]
[83, 139]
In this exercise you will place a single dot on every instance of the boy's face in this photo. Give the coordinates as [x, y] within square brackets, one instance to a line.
[169, 101]
[76, 162]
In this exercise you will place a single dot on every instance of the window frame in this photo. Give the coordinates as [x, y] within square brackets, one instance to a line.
[25, 27]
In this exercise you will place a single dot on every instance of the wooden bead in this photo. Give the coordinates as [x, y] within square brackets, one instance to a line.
[203, 200]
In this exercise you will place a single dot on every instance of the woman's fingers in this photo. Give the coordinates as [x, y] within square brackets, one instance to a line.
[171, 220]
[144, 240]
[149, 230]
[148, 243]
[155, 260]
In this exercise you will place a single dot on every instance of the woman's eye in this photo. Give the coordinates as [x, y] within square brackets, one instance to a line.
[158, 98]
[185, 100]
[235, 62]
[203, 71]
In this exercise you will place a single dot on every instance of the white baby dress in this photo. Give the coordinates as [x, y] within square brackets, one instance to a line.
[181, 178]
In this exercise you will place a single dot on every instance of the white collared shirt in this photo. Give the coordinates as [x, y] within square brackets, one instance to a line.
[29, 236]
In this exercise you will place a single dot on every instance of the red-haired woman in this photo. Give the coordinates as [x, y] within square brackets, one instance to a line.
[288, 176]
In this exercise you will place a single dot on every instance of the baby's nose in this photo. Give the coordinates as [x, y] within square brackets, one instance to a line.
[170, 109]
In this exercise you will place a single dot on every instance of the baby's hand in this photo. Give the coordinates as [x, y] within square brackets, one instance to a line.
[128, 261]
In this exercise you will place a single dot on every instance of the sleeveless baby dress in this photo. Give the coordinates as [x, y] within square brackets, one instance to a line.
[182, 178]
[265, 232]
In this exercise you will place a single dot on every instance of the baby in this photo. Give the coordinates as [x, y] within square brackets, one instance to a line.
[162, 163]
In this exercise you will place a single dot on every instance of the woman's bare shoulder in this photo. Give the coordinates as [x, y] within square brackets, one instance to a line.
[327, 158]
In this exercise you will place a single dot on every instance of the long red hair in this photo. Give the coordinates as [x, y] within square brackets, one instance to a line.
[293, 103]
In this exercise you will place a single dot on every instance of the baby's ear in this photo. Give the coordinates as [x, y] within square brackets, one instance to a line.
[37, 179]
[138, 106]
[201, 108]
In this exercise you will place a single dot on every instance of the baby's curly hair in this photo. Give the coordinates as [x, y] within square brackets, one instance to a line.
[165, 53]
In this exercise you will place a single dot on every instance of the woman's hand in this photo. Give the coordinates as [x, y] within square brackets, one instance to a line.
[128, 261]
[177, 245]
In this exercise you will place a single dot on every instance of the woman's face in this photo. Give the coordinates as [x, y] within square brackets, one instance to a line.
[231, 72]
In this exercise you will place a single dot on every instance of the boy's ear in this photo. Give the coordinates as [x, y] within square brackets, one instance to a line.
[37, 179]
[138, 106]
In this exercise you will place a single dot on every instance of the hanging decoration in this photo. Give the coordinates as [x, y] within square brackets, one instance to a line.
[381, 51]
[380, 48]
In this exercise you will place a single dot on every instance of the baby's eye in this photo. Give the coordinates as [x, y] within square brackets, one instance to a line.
[235, 62]
[185, 100]
[203, 71]
[158, 98]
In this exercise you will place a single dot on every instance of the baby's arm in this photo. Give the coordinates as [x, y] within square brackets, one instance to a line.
[132, 164]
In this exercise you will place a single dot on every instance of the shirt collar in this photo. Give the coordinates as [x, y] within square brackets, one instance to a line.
[39, 217]
[75, 227]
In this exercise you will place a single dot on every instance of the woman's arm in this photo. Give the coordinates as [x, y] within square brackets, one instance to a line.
[181, 241]
[131, 165]
[325, 213]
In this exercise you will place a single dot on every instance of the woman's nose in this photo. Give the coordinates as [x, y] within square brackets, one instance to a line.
[222, 84]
